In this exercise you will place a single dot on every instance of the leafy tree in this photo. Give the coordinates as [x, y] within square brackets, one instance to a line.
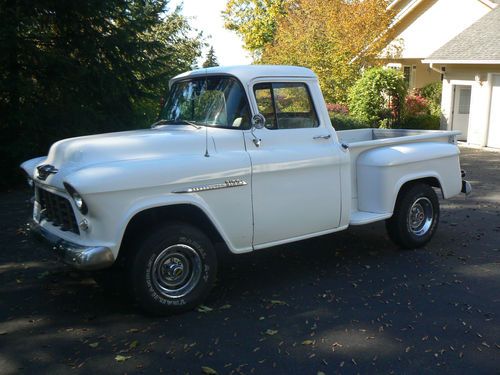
[335, 38]
[255, 21]
[211, 59]
[378, 96]
[70, 68]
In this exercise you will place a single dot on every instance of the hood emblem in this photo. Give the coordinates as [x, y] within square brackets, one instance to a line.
[44, 171]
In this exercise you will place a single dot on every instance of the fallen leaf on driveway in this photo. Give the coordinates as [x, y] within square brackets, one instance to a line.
[204, 309]
[208, 370]
[271, 332]
[133, 344]
[43, 274]
[94, 345]
[122, 358]
[307, 342]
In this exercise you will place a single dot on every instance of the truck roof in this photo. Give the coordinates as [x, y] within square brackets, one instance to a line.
[246, 73]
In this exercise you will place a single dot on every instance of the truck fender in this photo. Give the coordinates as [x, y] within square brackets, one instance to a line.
[383, 171]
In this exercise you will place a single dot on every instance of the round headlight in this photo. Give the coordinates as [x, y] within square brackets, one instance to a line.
[77, 198]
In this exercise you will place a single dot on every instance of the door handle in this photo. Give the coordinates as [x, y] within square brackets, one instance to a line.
[322, 136]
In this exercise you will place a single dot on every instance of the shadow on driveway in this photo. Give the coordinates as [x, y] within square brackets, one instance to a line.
[344, 303]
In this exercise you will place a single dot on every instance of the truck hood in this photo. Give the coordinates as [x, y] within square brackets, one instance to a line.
[72, 154]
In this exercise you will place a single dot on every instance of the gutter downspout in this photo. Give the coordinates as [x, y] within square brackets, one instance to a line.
[442, 120]
[431, 65]
[488, 114]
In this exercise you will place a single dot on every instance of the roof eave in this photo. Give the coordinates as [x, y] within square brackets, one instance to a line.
[456, 62]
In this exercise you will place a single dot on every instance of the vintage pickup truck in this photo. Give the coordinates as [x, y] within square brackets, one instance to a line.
[244, 158]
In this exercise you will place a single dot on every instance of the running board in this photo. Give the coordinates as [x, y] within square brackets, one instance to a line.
[363, 217]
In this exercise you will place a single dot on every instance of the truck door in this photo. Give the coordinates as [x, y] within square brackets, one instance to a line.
[295, 166]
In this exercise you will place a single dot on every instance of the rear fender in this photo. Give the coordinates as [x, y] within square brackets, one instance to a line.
[382, 172]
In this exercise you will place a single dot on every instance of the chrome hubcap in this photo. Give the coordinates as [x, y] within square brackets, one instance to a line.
[420, 216]
[176, 271]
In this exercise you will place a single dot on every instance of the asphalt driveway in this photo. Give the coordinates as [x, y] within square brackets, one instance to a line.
[346, 303]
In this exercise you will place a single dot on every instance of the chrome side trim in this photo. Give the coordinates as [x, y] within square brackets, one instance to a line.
[224, 185]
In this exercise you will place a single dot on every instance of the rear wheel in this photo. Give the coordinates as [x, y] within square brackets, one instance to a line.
[415, 217]
[173, 270]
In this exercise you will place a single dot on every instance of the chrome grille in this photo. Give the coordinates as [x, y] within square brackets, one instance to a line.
[57, 210]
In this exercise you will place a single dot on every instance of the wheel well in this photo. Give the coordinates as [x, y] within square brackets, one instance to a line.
[145, 221]
[431, 181]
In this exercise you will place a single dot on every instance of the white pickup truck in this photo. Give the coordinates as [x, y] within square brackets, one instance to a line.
[241, 156]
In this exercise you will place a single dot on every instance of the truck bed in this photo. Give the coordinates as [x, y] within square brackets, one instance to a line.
[362, 140]
[378, 137]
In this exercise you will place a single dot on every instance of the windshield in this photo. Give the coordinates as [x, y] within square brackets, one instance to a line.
[210, 101]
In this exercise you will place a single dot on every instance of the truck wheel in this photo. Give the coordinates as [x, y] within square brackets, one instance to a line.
[415, 217]
[173, 270]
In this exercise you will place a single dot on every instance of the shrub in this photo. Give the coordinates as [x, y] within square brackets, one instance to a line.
[416, 105]
[432, 93]
[378, 95]
[337, 108]
[345, 122]
[420, 122]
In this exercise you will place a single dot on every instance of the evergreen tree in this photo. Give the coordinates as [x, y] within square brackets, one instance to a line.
[211, 59]
[69, 68]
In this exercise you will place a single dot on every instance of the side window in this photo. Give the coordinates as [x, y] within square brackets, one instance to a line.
[286, 105]
[294, 107]
[265, 103]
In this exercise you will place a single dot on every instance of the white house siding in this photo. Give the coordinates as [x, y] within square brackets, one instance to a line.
[481, 79]
[435, 25]
[494, 128]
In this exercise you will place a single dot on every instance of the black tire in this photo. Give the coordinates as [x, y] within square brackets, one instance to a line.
[415, 218]
[172, 270]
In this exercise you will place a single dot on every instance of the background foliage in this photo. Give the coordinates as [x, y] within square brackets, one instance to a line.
[255, 21]
[211, 59]
[335, 38]
[69, 68]
[378, 96]
[432, 92]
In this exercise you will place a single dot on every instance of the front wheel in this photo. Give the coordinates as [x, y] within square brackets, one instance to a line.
[173, 270]
[415, 217]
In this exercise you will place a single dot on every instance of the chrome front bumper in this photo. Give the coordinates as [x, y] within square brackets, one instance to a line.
[80, 257]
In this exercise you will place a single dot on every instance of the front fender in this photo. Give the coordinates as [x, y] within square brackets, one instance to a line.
[170, 200]
[29, 165]
[115, 192]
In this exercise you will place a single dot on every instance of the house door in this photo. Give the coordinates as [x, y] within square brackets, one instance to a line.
[494, 128]
[461, 110]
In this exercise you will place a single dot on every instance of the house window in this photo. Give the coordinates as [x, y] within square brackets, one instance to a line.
[407, 74]
[464, 101]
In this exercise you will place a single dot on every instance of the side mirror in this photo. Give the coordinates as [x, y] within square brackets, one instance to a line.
[258, 121]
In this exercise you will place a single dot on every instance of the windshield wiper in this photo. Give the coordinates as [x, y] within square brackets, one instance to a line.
[174, 122]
